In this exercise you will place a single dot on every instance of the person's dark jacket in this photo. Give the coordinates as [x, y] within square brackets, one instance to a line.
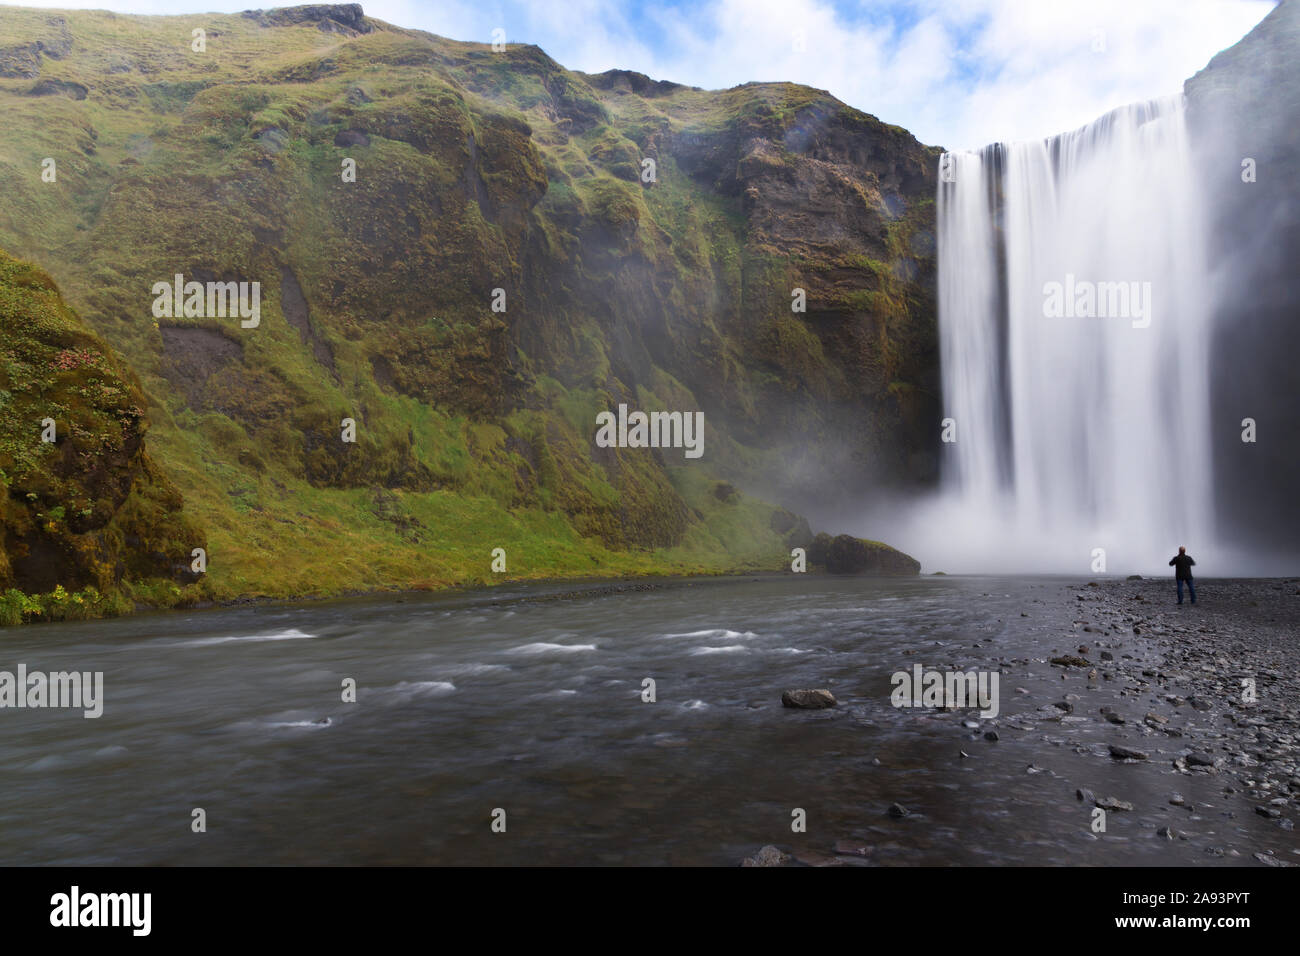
[1182, 564]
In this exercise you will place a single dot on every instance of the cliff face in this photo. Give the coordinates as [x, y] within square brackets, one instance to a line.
[83, 505]
[521, 247]
[1244, 111]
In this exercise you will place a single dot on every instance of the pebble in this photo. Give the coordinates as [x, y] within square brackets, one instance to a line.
[1127, 753]
[848, 848]
[1113, 803]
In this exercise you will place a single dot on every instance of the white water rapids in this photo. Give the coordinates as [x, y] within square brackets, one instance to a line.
[1081, 420]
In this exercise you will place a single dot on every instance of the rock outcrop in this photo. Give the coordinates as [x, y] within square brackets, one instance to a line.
[845, 554]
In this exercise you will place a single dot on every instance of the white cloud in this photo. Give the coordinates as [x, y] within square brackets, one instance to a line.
[962, 73]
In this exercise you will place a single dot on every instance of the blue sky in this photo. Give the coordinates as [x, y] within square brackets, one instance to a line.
[957, 73]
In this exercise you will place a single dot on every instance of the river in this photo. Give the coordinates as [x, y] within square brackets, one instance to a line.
[505, 699]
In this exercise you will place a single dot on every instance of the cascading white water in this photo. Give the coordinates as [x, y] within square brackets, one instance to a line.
[1079, 424]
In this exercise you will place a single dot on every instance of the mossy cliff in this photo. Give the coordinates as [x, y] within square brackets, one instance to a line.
[482, 178]
[87, 517]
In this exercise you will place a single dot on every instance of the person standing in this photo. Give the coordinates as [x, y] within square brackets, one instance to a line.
[1182, 564]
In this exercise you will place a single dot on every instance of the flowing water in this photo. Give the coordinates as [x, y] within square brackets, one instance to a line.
[506, 700]
[1074, 318]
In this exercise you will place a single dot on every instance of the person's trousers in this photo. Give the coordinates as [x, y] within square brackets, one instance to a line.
[1190, 587]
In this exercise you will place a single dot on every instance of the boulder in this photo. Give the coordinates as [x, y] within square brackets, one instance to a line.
[808, 699]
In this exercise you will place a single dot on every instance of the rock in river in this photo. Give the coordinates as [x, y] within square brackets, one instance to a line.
[808, 699]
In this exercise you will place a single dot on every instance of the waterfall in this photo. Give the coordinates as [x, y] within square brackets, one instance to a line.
[1074, 334]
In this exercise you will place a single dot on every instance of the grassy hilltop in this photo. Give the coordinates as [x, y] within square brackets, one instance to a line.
[476, 171]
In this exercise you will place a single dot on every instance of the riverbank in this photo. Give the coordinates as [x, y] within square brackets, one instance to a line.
[841, 555]
[133, 598]
[509, 590]
[1176, 720]
[1227, 687]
